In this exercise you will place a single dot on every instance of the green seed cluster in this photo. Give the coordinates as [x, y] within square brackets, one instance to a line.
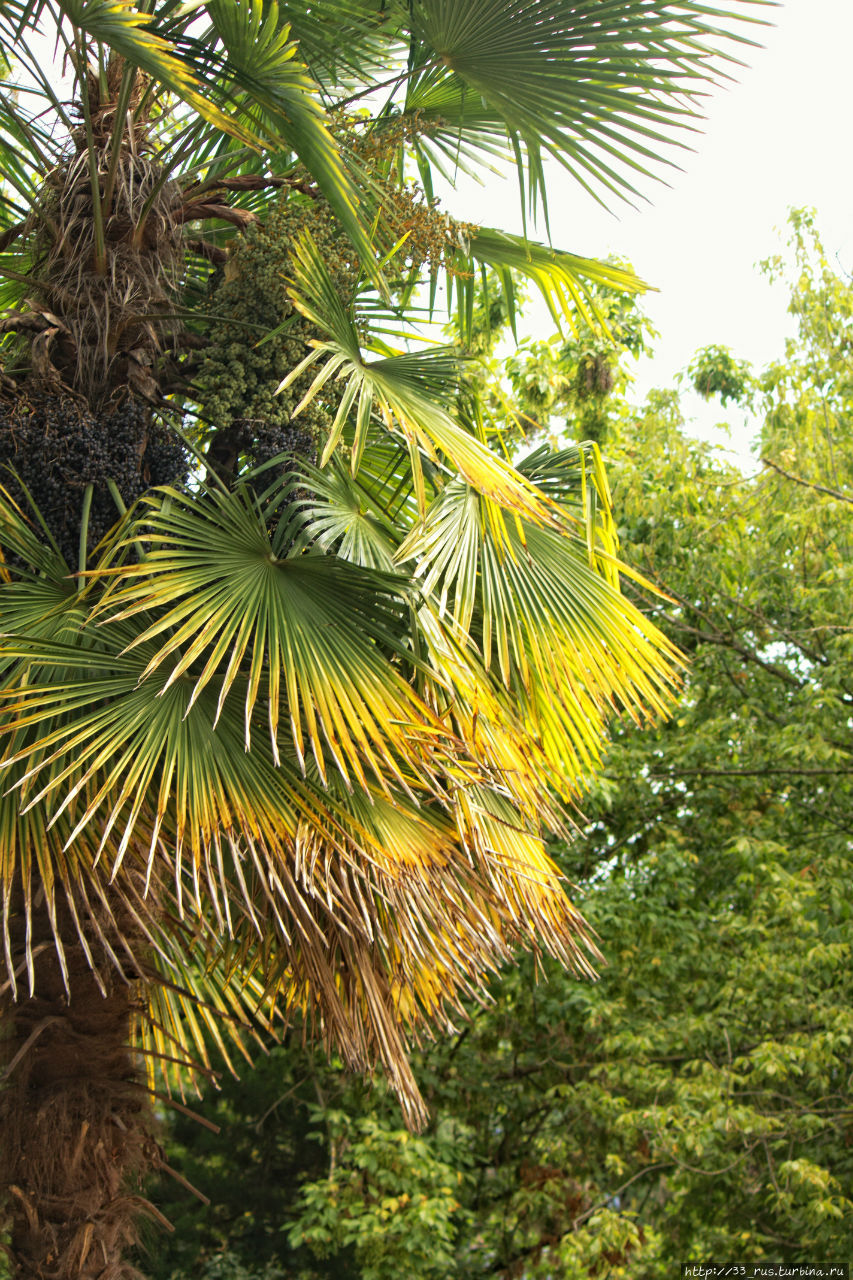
[432, 236]
[243, 367]
[239, 378]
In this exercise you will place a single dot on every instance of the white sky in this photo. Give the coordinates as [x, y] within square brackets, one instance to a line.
[779, 137]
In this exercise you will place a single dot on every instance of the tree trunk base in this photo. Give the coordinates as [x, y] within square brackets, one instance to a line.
[76, 1129]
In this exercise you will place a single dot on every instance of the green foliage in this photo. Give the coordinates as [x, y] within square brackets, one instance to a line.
[566, 382]
[714, 371]
[695, 1101]
[228, 1266]
[265, 1133]
[390, 1199]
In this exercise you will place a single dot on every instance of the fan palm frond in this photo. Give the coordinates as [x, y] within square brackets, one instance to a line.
[535, 606]
[401, 388]
[340, 511]
[122, 787]
[344, 43]
[600, 87]
[564, 280]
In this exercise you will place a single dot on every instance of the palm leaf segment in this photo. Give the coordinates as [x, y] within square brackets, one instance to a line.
[301, 750]
[594, 85]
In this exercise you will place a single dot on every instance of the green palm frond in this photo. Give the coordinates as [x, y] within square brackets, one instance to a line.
[27, 146]
[599, 86]
[117, 752]
[401, 388]
[537, 604]
[339, 512]
[31, 547]
[313, 635]
[564, 280]
[343, 42]
[278, 97]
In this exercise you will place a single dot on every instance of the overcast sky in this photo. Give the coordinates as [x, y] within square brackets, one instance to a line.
[777, 138]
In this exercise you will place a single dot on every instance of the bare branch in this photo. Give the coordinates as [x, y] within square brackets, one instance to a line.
[808, 484]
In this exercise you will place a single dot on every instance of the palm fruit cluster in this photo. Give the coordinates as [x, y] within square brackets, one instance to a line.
[239, 378]
[594, 377]
[432, 236]
[249, 300]
[52, 447]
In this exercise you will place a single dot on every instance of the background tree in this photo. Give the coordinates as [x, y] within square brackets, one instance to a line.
[695, 1101]
[297, 670]
[564, 383]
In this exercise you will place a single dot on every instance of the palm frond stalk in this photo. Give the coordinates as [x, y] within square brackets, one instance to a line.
[297, 670]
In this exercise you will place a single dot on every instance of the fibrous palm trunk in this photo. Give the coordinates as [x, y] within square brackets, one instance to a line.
[75, 1122]
[82, 436]
[77, 433]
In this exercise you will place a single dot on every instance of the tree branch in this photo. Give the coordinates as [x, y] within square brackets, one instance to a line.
[673, 774]
[807, 484]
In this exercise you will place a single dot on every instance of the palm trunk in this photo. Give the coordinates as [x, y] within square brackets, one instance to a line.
[75, 1125]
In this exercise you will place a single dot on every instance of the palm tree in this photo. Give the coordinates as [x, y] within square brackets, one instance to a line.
[297, 669]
